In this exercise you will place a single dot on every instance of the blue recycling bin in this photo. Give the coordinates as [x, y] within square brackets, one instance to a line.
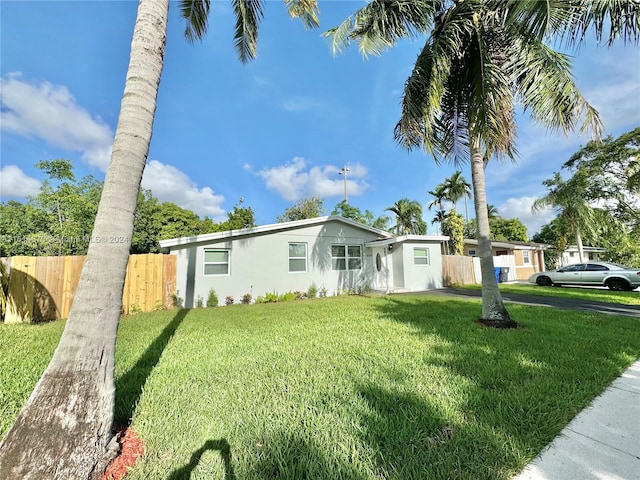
[496, 271]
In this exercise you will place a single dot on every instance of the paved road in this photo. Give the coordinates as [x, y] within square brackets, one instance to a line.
[555, 302]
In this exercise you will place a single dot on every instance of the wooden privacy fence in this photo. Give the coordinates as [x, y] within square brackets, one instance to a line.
[42, 288]
[457, 270]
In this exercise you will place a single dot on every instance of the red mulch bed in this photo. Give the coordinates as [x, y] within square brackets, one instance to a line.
[131, 448]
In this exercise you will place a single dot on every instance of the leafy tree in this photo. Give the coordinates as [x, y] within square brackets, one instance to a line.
[510, 230]
[176, 221]
[555, 233]
[72, 406]
[21, 226]
[238, 218]
[147, 224]
[344, 209]
[453, 227]
[408, 217]
[479, 59]
[611, 170]
[310, 207]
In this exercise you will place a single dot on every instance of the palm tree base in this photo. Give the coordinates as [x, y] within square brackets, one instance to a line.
[498, 323]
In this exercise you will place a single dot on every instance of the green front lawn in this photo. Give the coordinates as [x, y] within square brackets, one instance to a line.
[578, 293]
[343, 388]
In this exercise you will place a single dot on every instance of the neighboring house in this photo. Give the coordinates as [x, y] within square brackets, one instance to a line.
[570, 255]
[522, 258]
[335, 253]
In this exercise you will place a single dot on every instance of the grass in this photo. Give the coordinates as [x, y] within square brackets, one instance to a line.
[577, 293]
[343, 388]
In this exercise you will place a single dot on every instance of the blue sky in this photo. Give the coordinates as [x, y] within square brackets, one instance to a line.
[272, 131]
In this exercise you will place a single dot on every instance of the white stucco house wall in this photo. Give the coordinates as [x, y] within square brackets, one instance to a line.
[571, 255]
[335, 253]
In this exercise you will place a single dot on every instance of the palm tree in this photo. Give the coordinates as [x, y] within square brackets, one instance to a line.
[408, 217]
[456, 187]
[569, 200]
[65, 429]
[492, 212]
[479, 59]
[440, 195]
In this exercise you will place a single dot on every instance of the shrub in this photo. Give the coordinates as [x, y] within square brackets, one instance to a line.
[159, 306]
[287, 297]
[176, 300]
[323, 292]
[271, 297]
[300, 295]
[199, 302]
[246, 298]
[312, 291]
[229, 300]
[212, 299]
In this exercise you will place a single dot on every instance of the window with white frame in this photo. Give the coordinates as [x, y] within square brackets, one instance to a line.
[421, 256]
[216, 262]
[346, 257]
[526, 259]
[297, 257]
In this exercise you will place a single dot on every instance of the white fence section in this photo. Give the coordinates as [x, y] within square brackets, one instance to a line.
[508, 261]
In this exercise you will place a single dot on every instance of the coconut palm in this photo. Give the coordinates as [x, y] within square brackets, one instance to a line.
[569, 200]
[456, 187]
[481, 57]
[439, 195]
[408, 217]
[65, 429]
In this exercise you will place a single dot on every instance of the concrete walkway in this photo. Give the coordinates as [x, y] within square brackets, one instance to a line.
[601, 443]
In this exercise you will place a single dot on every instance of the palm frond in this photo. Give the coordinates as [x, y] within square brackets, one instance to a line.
[381, 23]
[248, 16]
[305, 10]
[196, 14]
[608, 19]
[545, 85]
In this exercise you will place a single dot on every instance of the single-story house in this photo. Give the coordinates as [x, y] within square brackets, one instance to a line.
[523, 258]
[571, 255]
[334, 253]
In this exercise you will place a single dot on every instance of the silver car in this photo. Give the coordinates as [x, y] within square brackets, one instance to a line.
[603, 274]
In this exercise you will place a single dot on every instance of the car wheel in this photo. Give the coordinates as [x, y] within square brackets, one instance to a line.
[544, 281]
[618, 285]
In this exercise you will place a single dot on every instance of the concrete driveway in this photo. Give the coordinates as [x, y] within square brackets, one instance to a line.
[555, 302]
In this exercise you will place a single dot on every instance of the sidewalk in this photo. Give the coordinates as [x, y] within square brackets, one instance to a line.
[601, 443]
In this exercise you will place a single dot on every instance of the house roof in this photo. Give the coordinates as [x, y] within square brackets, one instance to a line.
[574, 248]
[408, 238]
[271, 228]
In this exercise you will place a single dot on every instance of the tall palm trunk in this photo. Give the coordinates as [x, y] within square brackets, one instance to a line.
[579, 244]
[493, 311]
[65, 429]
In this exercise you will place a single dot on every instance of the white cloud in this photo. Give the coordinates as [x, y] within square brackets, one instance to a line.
[169, 184]
[15, 183]
[50, 113]
[294, 179]
[521, 208]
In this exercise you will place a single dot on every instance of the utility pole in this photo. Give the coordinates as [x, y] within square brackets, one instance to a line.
[344, 171]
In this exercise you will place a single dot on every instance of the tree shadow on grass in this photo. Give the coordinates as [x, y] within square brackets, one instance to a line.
[519, 387]
[220, 445]
[129, 386]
